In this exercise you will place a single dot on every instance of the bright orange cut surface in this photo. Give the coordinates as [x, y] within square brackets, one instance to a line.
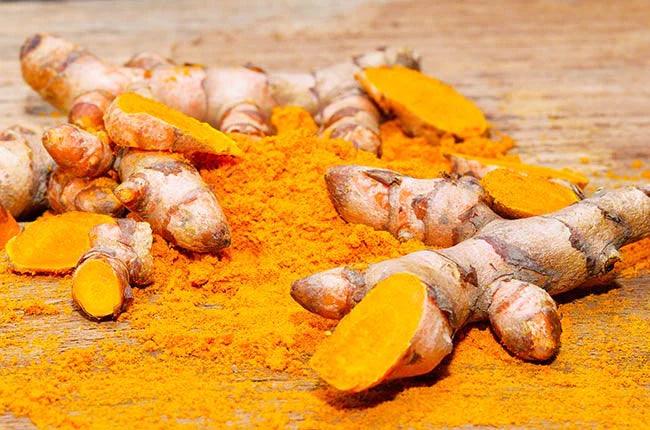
[371, 339]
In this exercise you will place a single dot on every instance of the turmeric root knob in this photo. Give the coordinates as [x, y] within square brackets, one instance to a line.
[120, 257]
[165, 190]
[396, 331]
[79, 152]
[138, 122]
[66, 192]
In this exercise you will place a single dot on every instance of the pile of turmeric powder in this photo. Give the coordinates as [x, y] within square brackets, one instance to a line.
[217, 340]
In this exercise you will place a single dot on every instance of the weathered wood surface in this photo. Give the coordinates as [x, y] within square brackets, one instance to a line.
[566, 79]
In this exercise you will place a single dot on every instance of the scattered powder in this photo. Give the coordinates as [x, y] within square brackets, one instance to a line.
[217, 340]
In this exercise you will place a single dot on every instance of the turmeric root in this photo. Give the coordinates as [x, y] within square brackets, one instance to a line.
[168, 192]
[138, 122]
[53, 244]
[410, 325]
[8, 227]
[232, 99]
[24, 168]
[440, 212]
[424, 105]
[120, 257]
[478, 167]
[517, 195]
[67, 192]
[79, 152]
[87, 111]
[345, 111]
[148, 61]
[505, 273]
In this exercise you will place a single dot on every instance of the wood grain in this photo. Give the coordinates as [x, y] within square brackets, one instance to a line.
[566, 79]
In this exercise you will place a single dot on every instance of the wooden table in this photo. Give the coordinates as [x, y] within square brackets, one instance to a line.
[569, 80]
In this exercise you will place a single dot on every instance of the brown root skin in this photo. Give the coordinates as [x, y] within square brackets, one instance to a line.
[439, 212]
[168, 192]
[478, 167]
[236, 99]
[79, 152]
[507, 271]
[424, 105]
[61, 71]
[8, 227]
[67, 192]
[87, 111]
[345, 111]
[53, 244]
[25, 167]
[120, 257]
[138, 122]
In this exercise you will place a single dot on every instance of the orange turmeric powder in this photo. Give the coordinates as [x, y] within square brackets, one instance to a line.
[218, 341]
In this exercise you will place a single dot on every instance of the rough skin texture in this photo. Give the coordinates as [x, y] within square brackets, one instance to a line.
[87, 111]
[80, 153]
[67, 192]
[165, 190]
[138, 122]
[439, 212]
[237, 99]
[507, 272]
[24, 168]
[126, 248]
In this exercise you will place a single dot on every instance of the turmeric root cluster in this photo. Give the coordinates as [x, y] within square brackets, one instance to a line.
[506, 273]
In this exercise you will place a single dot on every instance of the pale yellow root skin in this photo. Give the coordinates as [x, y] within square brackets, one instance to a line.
[24, 168]
[424, 105]
[138, 122]
[396, 331]
[53, 244]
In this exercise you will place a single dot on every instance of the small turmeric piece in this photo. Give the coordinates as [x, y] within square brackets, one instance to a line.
[120, 257]
[25, 167]
[165, 190]
[138, 122]
[517, 195]
[79, 152]
[8, 227]
[67, 192]
[478, 167]
[424, 105]
[396, 331]
[87, 111]
[53, 244]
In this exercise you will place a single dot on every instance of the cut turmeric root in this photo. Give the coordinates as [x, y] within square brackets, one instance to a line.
[424, 105]
[517, 195]
[8, 227]
[53, 244]
[396, 331]
[98, 289]
[138, 122]
[479, 167]
[120, 257]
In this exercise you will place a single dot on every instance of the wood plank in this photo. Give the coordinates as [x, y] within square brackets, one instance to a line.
[568, 80]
